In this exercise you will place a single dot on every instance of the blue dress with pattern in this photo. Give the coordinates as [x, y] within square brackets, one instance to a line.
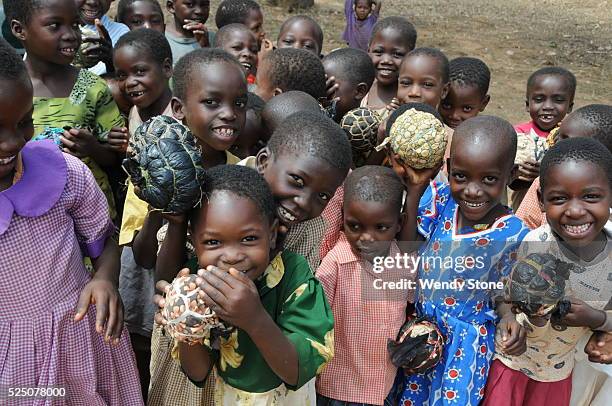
[465, 316]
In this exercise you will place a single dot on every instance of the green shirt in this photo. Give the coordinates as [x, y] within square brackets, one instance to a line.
[295, 300]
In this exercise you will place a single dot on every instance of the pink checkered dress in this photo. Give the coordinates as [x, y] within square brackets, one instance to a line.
[49, 219]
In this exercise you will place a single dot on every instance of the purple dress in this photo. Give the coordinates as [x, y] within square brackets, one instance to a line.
[53, 216]
[357, 33]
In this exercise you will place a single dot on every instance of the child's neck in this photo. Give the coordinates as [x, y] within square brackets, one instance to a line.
[211, 157]
[590, 251]
[382, 94]
[177, 30]
[49, 79]
[493, 214]
[157, 107]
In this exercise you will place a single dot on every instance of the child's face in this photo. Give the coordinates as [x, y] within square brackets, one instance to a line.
[387, 50]
[548, 101]
[214, 108]
[16, 126]
[301, 184]
[243, 45]
[142, 79]
[461, 103]
[231, 232]
[348, 94]
[362, 9]
[142, 14]
[254, 22]
[300, 34]
[478, 176]
[53, 33]
[370, 227]
[192, 10]
[119, 96]
[90, 10]
[249, 136]
[577, 201]
[265, 89]
[420, 81]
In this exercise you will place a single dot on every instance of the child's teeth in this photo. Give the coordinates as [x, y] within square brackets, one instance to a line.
[473, 204]
[577, 229]
[6, 161]
[286, 214]
[225, 132]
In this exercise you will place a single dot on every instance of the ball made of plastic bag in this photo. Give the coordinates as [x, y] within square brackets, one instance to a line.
[361, 126]
[164, 164]
[188, 318]
[418, 347]
[537, 284]
[418, 138]
[79, 59]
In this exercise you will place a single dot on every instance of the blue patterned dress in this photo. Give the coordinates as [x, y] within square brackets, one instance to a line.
[465, 316]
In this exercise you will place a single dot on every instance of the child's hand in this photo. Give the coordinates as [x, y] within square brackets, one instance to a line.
[413, 178]
[331, 88]
[232, 295]
[583, 315]
[163, 287]
[528, 170]
[599, 347]
[109, 308]
[511, 336]
[267, 46]
[118, 138]
[200, 32]
[101, 48]
[394, 105]
[79, 142]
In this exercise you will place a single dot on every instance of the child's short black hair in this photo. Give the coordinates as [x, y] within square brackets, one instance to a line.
[467, 71]
[435, 54]
[124, 5]
[497, 128]
[224, 33]
[194, 59]
[405, 107]
[234, 12]
[578, 149]
[373, 183]
[20, 10]
[280, 107]
[147, 40]
[402, 25]
[356, 65]
[317, 28]
[554, 71]
[241, 181]
[296, 69]
[255, 102]
[597, 117]
[315, 135]
[370, 2]
[12, 66]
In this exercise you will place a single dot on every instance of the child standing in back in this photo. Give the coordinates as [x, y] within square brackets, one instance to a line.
[239, 41]
[576, 194]
[65, 96]
[301, 32]
[187, 31]
[468, 92]
[141, 14]
[361, 371]
[361, 16]
[52, 214]
[550, 97]
[459, 220]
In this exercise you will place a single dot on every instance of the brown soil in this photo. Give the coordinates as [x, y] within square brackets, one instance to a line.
[514, 37]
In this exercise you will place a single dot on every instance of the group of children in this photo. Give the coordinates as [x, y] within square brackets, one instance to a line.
[286, 238]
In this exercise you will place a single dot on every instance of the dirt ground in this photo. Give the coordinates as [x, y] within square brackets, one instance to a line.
[514, 37]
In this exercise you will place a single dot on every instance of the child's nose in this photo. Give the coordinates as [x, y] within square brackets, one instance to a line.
[366, 237]
[575, 209]
[11, 144]
[472, 190]
[231, 256]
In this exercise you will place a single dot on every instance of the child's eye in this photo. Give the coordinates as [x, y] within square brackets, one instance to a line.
[592, 196]
[237, 48]
[241, 103]
[250, 238]
[121, 76]
[382, 227]
[287, 41]
[405, 82]
[557, 199]
[212, 242]
[538, 99]
[429, 84]
[458, 176]
[140, 71]
[467, 109]
[353, 227]
[136, 22]
[490, 179]
[445, 106]
[324, 196]
[299, 181]
[211, 102]
[399, 55]
[560, 99]
[54, 26]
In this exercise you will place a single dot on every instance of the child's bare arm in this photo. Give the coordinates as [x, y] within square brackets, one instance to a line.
[599, 347]
[172, 256]
[377, 5]
[195, 361]
[583, 315]
[82, 143]
[144, 245]
[235, 299]
[511, 336]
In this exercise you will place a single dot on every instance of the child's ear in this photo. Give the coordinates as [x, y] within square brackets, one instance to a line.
[273, 233]
[445, 90]
[513, 174]
[167, 68]
[262, 159]
[170, 6]
[177, 108]
[448, 167]
[277, 91]
[18, 30]
[485, 102]
[571, 107]
[540, 198]
[361, 90]
[527, 105]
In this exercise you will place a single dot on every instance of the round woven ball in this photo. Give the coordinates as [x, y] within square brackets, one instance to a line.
[188, 318]
[418, 347]
[361, 126]
[418, 138]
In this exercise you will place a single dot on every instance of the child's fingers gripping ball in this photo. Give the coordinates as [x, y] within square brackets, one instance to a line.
[165, 165]
[418, 138]
[187, 317]
[537, 285]
[418, 347]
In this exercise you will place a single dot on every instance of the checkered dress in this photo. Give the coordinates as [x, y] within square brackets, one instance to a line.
[529, 210]
[41, 257]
